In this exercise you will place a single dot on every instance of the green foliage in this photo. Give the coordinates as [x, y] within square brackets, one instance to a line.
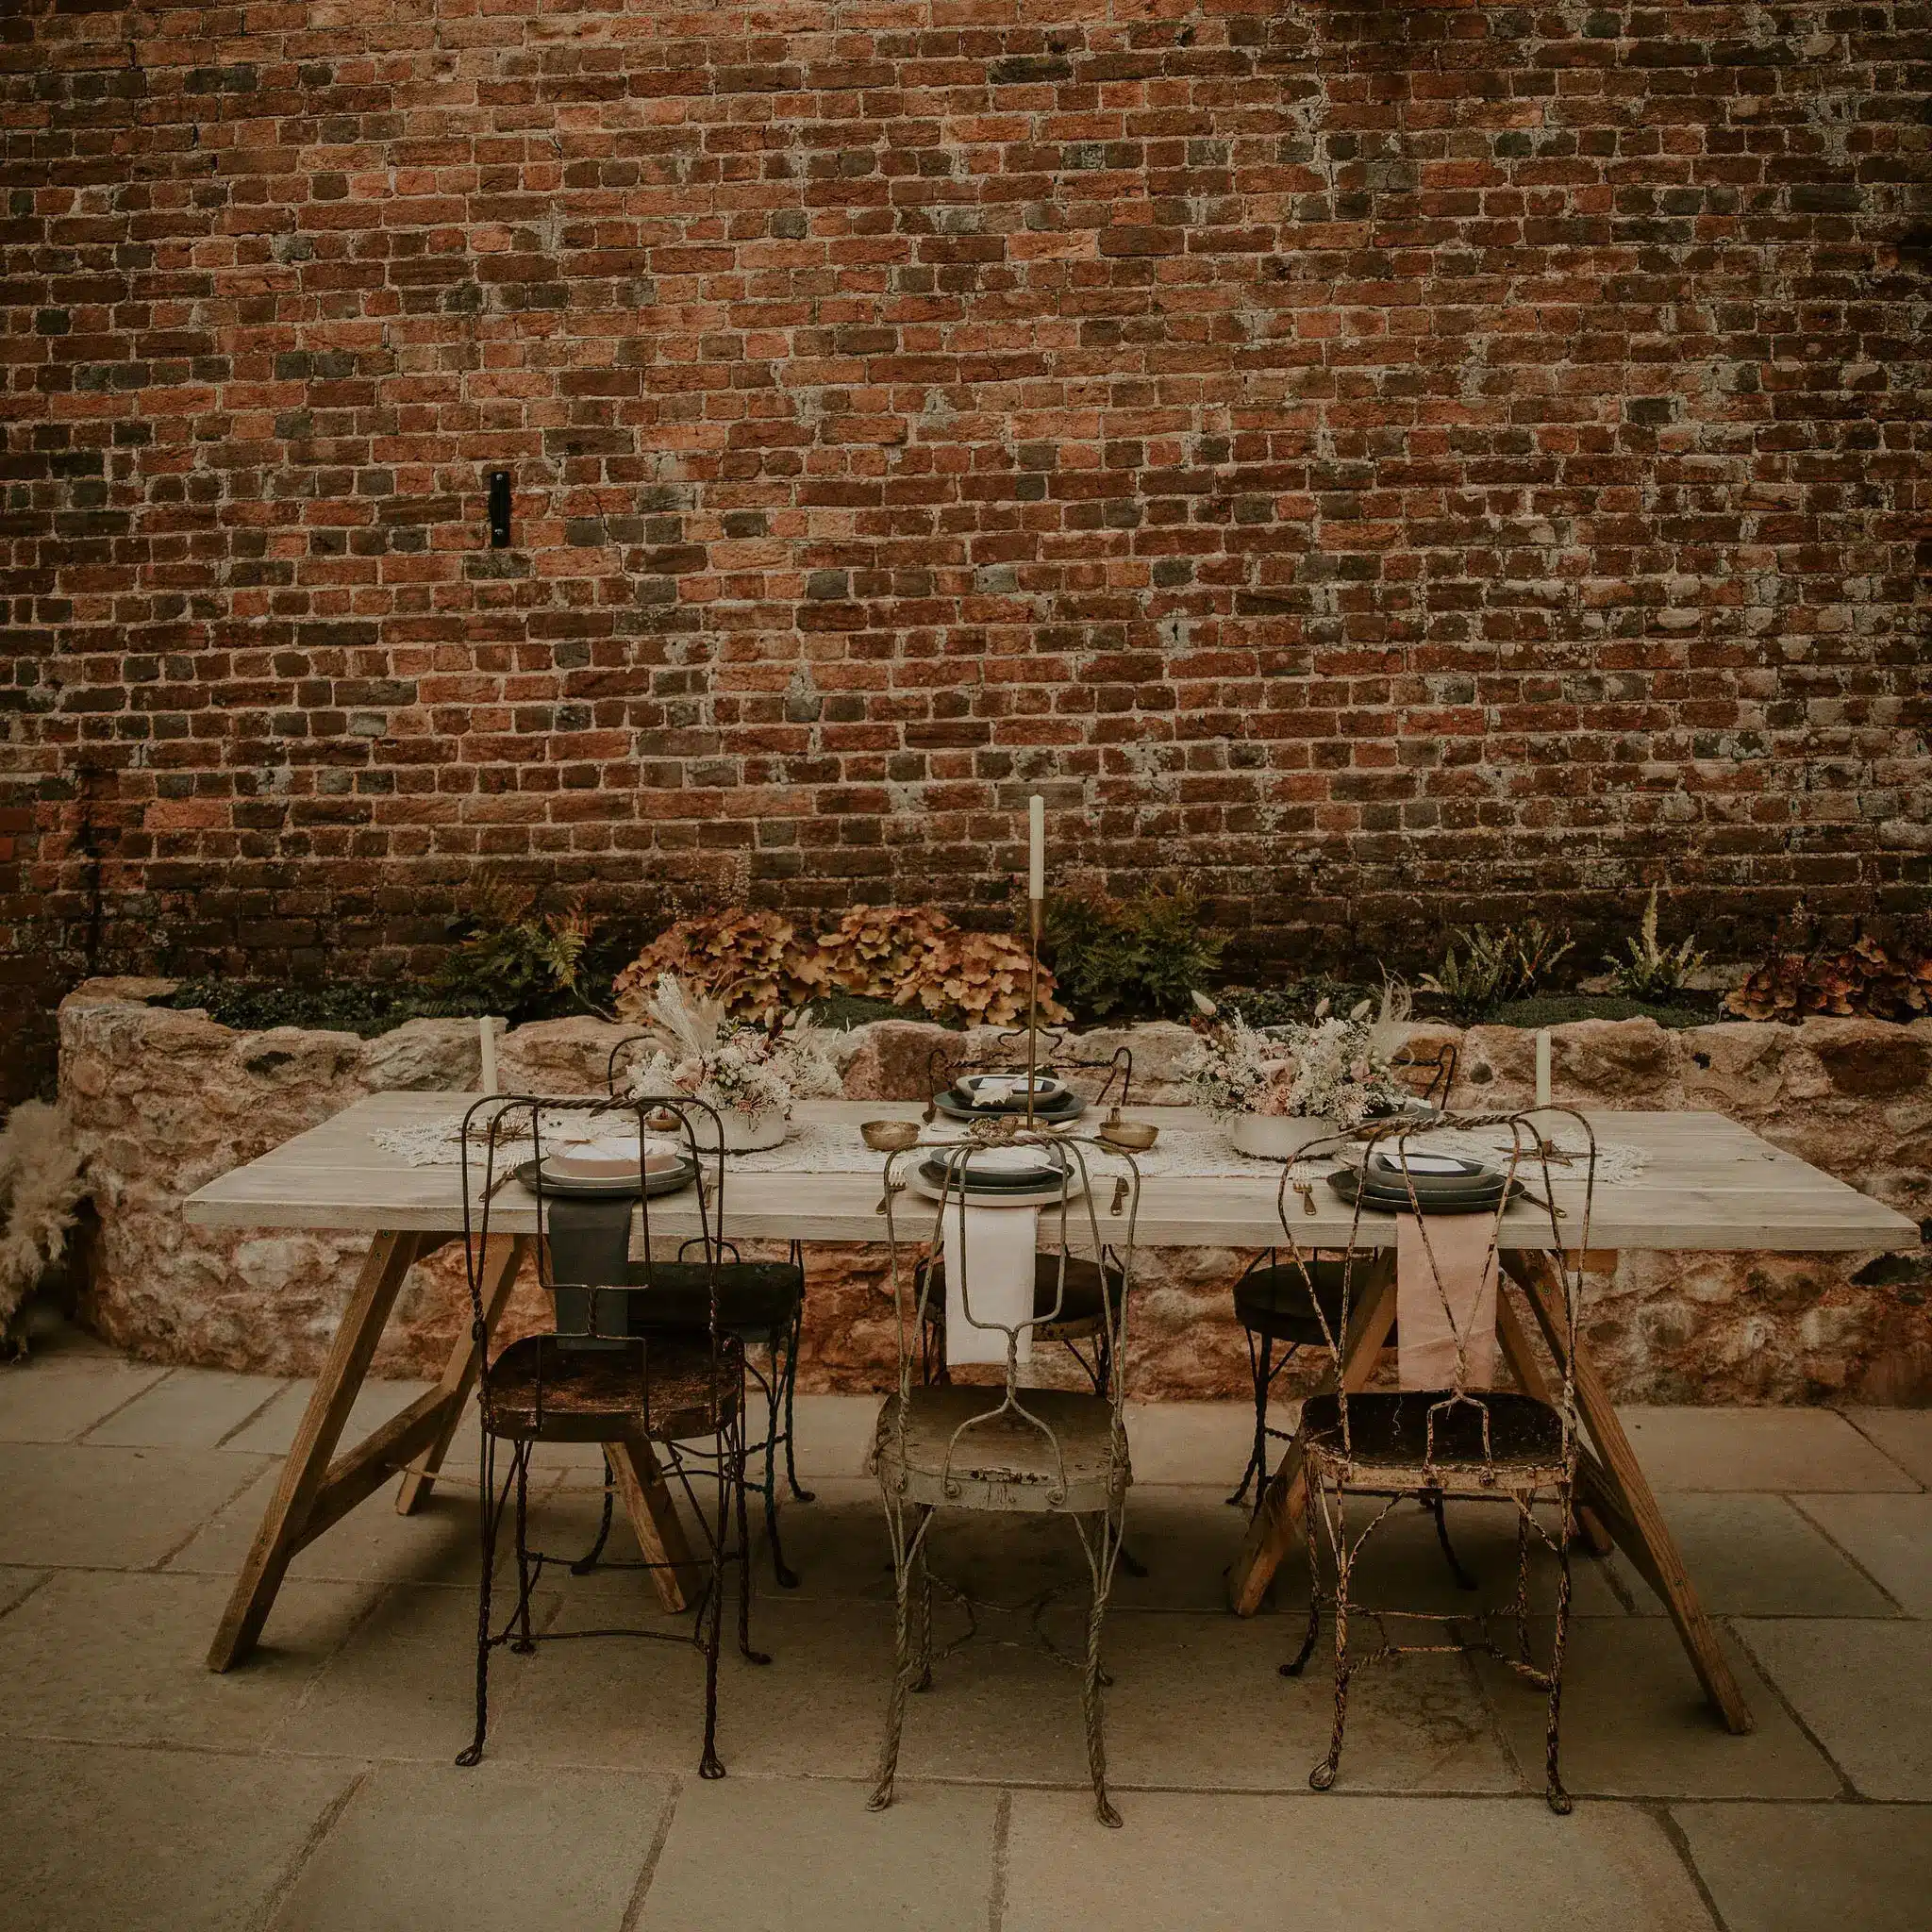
[252, 1005]
[517, 958]
[1292, 1000]
[1133, 957]
[1650, 971]
[1481, 969]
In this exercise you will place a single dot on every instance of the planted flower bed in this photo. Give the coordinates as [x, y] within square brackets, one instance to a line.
[163, 1100]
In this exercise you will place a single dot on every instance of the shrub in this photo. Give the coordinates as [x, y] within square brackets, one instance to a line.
[1481, 969]
[874, 951]
[1650, 971]
[756, 963]
[1144, 954]
[980, 978]
[1864, 980]
[515, 958]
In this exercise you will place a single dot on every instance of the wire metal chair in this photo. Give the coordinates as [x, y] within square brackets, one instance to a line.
[763, 1303]
[1081, 1322]
[664, 1394]
[1007, 1448]
[1462, 1442]
[1271, 1302]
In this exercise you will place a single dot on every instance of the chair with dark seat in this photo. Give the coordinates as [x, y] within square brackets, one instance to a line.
[1462, 1442]
[762, 1304]
[670, 1399]
[1272, 1304]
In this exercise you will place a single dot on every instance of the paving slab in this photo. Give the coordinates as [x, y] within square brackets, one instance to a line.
[1196, 1442]
[1890, 1536]
[109, 1508]
[638, 1705]
[1865, 1690]
[439, 1544]
[55, 1401]
[404, 1685]
[1790, 1449]
[834, 1433]
[1799, 1868]
[16, 1586]
[1761, 1556]
[488, 1849]
[752, 1854]
[1636, 1722]
[1341, 1864]
[1903, 1433]
[190, 1409]
[101, 1841]
[273, 1432]
[115, 1656]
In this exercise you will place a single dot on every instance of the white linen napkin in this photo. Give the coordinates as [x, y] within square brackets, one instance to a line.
[998, 1243]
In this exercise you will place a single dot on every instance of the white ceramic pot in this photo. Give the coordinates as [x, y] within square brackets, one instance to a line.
[1276, 1136]
[743, 1133]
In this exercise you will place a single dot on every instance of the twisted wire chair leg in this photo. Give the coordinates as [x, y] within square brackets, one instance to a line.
[525, 1644]
[787, 1576]
[713, 1609]
[1463, 1579]
[1257, 1471]
[588, 1561]
[472, 1753]
[757, 1657]
[791, 1389]
[1322, 1776]
[1092, 1678]
[1554, 1793]
[895, 1698]
[1299, 1663]
[922, 1604]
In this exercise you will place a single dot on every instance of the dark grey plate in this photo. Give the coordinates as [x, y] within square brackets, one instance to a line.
[1069, 1106]
[1395, 1200]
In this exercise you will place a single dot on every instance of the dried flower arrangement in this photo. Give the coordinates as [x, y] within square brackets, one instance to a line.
[41, 1187]
[702, 1053]
[1327, 1068]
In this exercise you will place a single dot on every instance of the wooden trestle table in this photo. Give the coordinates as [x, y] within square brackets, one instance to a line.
[1708, 1184]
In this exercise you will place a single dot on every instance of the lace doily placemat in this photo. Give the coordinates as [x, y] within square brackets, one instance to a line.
[1183, 1152]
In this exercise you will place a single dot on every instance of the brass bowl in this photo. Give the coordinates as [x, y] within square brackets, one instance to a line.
[1136, 1137]
[889, 1137]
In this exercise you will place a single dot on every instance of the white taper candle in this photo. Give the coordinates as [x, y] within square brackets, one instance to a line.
[486, 1040]
[1035, 833]
[1542, 1066]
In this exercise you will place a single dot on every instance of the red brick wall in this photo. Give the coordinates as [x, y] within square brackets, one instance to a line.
[1388, 461]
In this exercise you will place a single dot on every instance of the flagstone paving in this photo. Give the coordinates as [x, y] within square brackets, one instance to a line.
[313, 1788]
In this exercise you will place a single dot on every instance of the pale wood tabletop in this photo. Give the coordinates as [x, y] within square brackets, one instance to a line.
[1707, 1184]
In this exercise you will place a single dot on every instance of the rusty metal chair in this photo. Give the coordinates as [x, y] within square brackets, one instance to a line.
[762, 1304]
[662, 1395]
[1007, 1448]
[1273, 1305]
[1460, 1442]
[1067, 1304]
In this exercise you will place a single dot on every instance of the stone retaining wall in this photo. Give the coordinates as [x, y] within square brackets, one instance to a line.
[164, 1101]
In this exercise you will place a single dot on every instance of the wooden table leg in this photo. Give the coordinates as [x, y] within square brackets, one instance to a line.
[653, 1512]
[1276, 1526]
[1633, 1515]
[1529, 1378]
[307, 1466]
[502, 1255]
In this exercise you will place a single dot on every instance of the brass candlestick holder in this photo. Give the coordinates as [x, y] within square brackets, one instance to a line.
[1032, 1010]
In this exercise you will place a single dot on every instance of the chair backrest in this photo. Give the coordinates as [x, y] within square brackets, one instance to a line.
[952, 1060]
[1526, 1215]
[505, 1140]
[1095, 1184]
[1428, 1071]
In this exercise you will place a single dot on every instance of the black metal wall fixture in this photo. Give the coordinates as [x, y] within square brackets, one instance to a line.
[499, 509]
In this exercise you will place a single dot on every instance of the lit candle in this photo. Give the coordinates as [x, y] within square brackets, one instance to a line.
[1036, 831]
[1542, 1066]
[486, 1040]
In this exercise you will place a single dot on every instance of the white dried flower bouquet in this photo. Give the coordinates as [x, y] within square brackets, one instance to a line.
[1327, 1068]
[702, 1053]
